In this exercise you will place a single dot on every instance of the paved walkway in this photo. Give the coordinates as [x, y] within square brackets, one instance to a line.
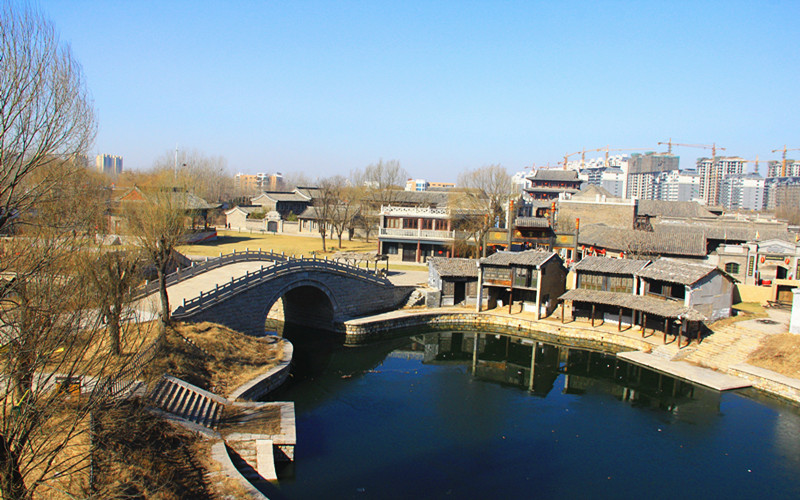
[191, 288]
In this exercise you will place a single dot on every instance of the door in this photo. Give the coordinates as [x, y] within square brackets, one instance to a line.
[459, 292]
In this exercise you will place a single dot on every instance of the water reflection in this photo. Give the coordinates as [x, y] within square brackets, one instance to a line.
[537, 366]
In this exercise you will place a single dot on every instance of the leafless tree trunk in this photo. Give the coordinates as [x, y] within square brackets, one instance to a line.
[46, 115]
[486, 190]
[382, 184]
[53, 338]
[113, 275]
[158, 223]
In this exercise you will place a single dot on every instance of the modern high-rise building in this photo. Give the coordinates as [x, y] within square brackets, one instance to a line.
[792, 168]
[742, 192]
[782, 192]
[643, 171]
[677, 185]
[712, 172]
[109, 164]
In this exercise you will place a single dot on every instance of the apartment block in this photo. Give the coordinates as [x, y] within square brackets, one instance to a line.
[643, 170]
[742, 192]
[713, 171]
[109, 164]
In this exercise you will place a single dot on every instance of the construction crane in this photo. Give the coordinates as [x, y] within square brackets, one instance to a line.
[606, 149]
[566, 157]
[713, 147]
[783, 161]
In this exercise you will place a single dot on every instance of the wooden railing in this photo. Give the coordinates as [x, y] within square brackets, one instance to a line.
[116, 385]
[267, 273]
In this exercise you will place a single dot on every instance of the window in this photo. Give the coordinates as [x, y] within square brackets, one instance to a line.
[591, 281]
[496, 274]
[393, 222]
[410, 223]
[620, 284]
[732, 268]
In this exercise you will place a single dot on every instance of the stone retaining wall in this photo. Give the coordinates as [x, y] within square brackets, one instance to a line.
[360, 331]
[268, 382]
[768, 381]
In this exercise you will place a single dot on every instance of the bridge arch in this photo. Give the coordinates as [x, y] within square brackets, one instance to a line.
[304, 301]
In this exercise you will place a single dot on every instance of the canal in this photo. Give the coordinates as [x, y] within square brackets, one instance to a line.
[423, 417]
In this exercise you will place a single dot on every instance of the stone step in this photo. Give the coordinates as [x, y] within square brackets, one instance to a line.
[186, 403]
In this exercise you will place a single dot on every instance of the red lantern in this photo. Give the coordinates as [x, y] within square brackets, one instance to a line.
[763, 259]
[787, 260]
[621, 255]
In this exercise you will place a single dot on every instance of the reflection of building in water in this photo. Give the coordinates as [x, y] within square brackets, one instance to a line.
[588, 371]
[535, 366]
[521, 362]
[439, 347]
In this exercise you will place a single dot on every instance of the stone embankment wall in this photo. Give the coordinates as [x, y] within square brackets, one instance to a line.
[262, 385]
[768, 381]
[362, 331]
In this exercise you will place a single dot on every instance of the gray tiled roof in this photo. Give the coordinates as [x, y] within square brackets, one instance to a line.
[649, 305]
[454, 267]
[642, 242]
[611, 266]
[554, 175]
[283, 196]
[248, 209]
[532, 222]
[673, 271]
[680, 209]
[727, 232]
[526, 258]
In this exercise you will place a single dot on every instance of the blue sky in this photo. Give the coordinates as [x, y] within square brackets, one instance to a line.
[326, 87]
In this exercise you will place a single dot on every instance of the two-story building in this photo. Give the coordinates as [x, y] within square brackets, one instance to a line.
[533, 278]
[547, 184]
[413, 234]
[674, 297]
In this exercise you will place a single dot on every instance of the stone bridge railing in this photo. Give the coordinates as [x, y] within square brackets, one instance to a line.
[266, 273]
[209, 264]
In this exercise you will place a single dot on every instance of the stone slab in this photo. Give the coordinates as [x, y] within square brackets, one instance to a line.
[265, 460]
[685, 371]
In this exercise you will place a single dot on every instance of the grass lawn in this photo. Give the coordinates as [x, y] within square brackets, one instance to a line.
[228, 241]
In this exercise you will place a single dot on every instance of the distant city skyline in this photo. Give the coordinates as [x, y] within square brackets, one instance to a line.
[326, 87]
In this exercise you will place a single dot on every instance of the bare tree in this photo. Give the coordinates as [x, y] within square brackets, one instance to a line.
[46, 115]
[381, 185]
[486, 191]
[113, 275]
[157, 223]
[325, 205]
[53, 342]
[204, 175]
[345, 200]
[294, 180]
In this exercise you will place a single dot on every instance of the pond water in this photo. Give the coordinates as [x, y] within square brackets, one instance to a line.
[422, 417]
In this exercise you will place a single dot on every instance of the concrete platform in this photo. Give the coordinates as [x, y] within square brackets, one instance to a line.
[685, 371]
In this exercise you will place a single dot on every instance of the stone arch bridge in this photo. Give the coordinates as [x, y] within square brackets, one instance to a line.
[313, 292]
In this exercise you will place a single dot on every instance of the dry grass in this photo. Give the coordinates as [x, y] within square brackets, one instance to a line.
[779, 353]
[138, 455]
[228, 241]
[745, 310]
[235, 358]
